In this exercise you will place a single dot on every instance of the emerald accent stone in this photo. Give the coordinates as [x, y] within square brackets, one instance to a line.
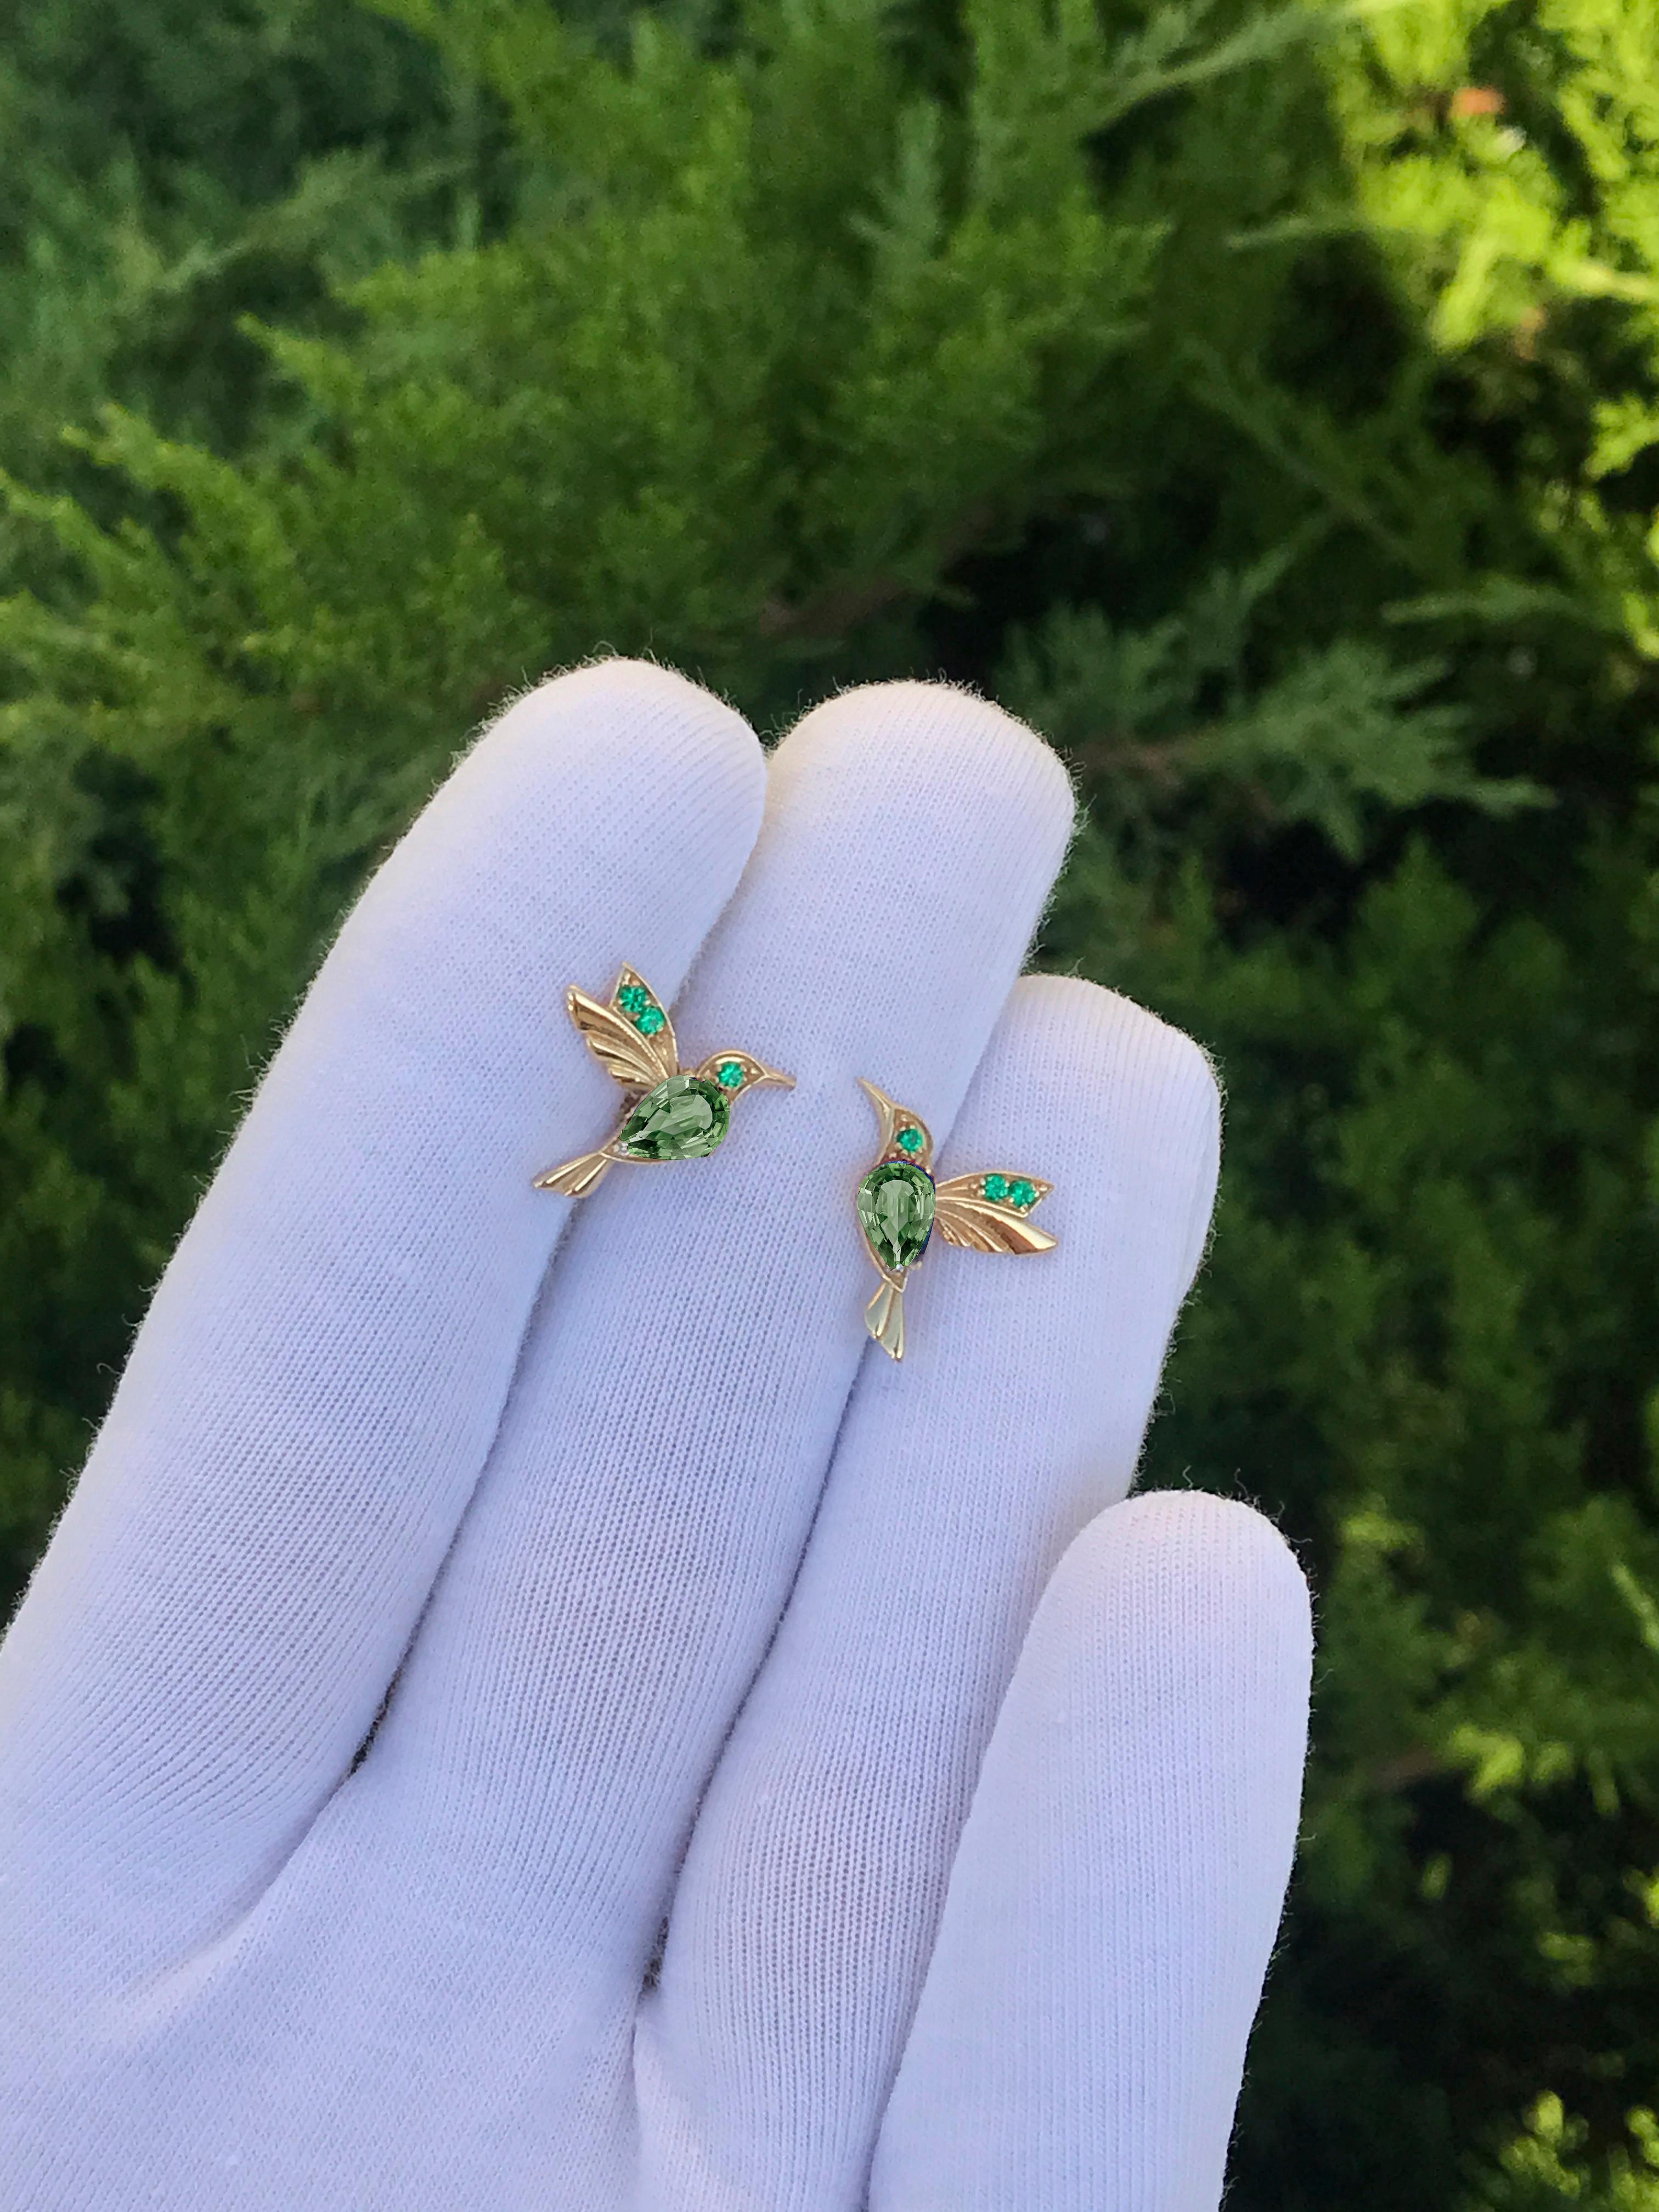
[650, 1021]
[730, 1072]
[909, 1141]
[1022, 1193]
[996, 1187]
[896, 1206]
[683, 1118]
[633, 998]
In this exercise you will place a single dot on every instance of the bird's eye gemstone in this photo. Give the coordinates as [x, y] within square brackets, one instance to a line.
[996, 1187]
[683, 1118]
[633, 998]
[650, 1021]
[896, 1207]
[1022, 1193]
[730, 1072]
[909, 1141]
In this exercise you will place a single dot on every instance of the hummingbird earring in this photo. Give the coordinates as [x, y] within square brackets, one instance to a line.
[900, 1206]
[674, 1114]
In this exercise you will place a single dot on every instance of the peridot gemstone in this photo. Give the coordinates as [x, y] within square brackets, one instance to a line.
[683, 1118]
[896, 1207]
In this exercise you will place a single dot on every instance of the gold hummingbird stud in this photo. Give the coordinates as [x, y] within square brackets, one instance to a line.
[900, 1206]
[675, 1114]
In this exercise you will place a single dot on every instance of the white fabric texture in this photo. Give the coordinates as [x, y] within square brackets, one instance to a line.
[964, 1791]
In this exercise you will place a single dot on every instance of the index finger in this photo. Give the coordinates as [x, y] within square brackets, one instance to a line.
[313, 1393]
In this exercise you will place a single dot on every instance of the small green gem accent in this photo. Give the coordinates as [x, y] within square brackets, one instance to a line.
[909, 1141]
[633, 998]
[683, 1118]
[650, 1021]
[1022, 1194]
[996, 1187]
[730, 1072]
[896, 1207]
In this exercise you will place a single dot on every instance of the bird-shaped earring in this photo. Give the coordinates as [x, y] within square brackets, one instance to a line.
[673, 1114]
[900, 1206]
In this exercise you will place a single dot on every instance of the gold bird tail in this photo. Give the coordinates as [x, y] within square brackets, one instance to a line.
[885, 1318]
[576, 1177]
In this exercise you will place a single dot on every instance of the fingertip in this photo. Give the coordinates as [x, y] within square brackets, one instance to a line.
[674, 754]
[1211, 1536]
[944, 740]
[1193, 1583]
[947, 720]
[1092, 1035]
[911, 838]
[631, 685]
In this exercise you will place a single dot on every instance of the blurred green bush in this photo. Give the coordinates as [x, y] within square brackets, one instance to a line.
[1264, 401]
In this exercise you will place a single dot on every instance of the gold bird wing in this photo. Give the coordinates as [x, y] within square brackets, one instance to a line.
[632, 1037]
[964, 1215]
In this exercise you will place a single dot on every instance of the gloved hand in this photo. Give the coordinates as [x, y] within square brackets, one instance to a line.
[965, 1793]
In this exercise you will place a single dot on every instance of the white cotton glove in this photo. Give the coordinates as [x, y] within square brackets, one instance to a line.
[967, 1792]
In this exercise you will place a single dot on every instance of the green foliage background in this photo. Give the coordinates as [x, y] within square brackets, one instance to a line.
[1263, 400]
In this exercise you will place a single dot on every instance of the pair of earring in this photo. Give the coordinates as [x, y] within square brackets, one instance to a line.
[683, 1114]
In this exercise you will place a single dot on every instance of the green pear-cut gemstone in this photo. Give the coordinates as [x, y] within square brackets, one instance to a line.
[683, 1118]
[896, 1206]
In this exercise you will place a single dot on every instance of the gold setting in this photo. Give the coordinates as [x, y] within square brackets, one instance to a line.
[632, 1037]
[963, 1214]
